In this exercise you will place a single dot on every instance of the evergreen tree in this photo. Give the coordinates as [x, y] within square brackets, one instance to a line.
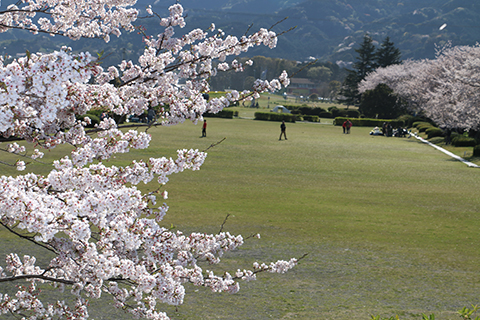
[387, 54]
[366, 59]
[365, 64]
[349, 94]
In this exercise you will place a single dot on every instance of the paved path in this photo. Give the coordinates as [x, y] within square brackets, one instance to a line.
[470, 164]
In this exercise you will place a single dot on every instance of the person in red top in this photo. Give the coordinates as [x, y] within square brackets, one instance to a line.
[344, 126]
[204, 129]
[349, 125]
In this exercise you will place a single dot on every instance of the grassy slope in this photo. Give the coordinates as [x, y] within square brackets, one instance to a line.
[391, 225]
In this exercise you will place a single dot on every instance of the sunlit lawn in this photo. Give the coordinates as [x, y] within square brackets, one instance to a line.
[390, 225]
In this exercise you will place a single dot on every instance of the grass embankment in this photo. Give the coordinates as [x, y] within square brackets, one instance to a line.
[390, 225]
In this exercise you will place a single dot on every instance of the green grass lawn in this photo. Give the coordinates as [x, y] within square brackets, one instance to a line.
[390, 225]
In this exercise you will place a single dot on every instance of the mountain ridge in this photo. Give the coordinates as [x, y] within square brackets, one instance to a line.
[328, 30]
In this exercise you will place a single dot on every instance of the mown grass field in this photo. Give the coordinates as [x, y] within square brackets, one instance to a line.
[391, 225]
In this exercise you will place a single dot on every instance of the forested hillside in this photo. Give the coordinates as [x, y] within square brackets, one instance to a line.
[328, 30]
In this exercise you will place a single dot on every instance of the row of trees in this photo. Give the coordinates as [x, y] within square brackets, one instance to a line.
[103, 236]
[444, 89]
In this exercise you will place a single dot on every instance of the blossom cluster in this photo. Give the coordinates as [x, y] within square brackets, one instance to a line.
[71, 19]
[42, 93]
[105, 234]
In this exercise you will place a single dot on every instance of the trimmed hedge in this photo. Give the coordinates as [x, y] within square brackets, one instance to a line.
[348, 113]
[311, 111]
[365, 122]
[326, 114]
[424, 127]
[434, 132]
[311, 118]
[229, 114]
[352, 113]
[273, 116]
[322, 113]
[305, 110]
[334, 111]
[410, 120]
[416, 124]
[462, 141]
[437, 140]
[476, 151]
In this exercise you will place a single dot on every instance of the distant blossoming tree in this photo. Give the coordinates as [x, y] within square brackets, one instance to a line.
[445, 89]
[104, 234]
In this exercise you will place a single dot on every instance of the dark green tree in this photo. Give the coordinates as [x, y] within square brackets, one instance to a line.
[387, 54]
[381, 103]
[348, 93]
[364, 64]
[366, 59]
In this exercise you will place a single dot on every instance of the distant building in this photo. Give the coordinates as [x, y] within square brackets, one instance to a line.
[302, 87]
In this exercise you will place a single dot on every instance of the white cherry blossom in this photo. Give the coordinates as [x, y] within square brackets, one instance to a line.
[106, 235]
[445, 89]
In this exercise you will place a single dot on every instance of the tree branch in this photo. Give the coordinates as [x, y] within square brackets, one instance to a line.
[214, 145]
[29, 238]
[36, 276]
[224, 221]
[263, 270]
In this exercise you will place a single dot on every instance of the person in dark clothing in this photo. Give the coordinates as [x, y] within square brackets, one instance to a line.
[448, 136]
[389, 130]
[204, 128]
[283, 130]
[151, 115]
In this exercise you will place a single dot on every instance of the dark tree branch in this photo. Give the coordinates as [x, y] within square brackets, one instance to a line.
[278, 22]
[214, 144]
[223, 224]
[29, 238]
[36, 276]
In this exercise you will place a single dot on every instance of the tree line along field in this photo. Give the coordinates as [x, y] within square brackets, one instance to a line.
[390, 225]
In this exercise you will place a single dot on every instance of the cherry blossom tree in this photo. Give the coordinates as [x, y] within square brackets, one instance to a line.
[445, 89]
[106, 236]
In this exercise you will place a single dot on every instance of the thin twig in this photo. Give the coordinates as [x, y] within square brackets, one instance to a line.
[248, 29]
[283, 32]
[214, 144]
[278, 22]
[224, 221]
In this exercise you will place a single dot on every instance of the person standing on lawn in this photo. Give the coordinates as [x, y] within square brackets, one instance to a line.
[204, 128]
[349, 125]
[283, 130]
